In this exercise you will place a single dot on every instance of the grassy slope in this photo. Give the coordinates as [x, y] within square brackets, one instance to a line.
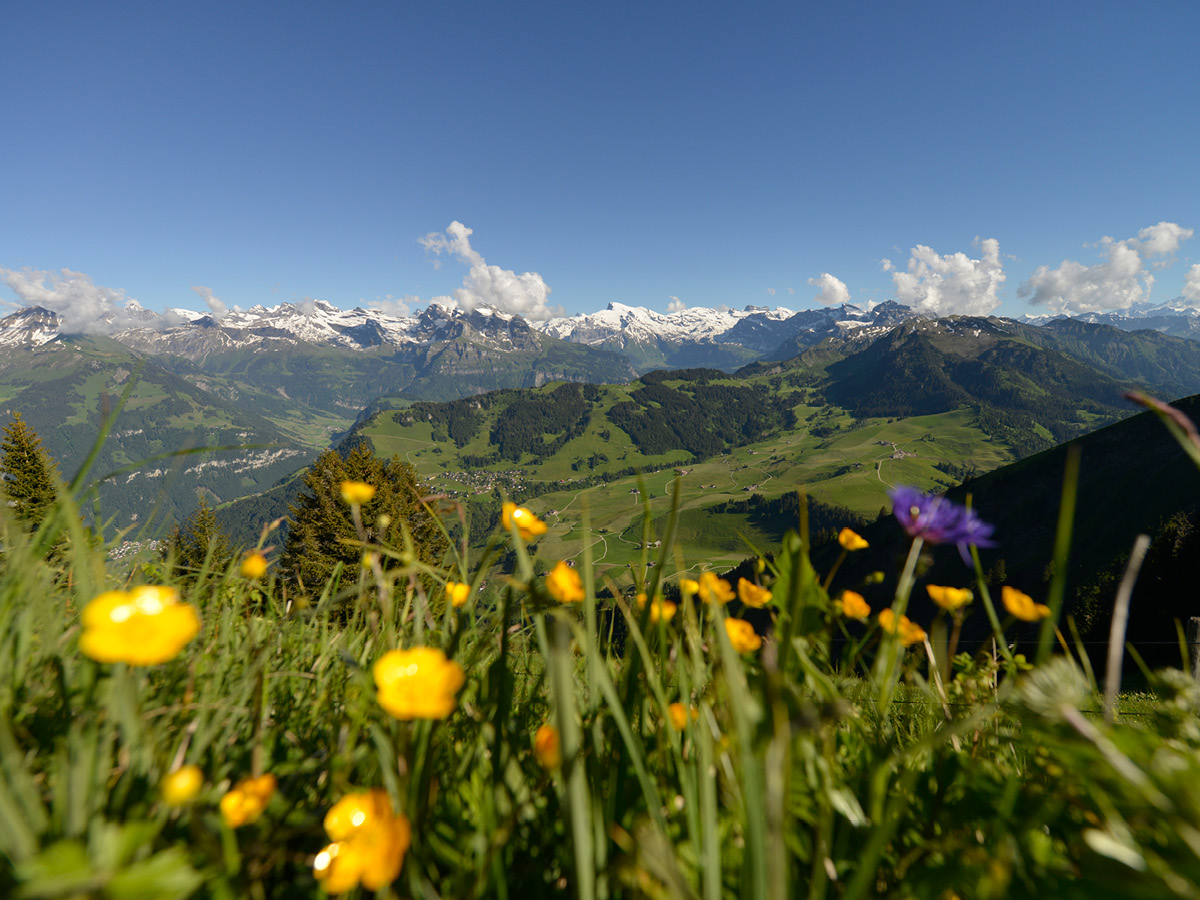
[852, 466]
[66, 390]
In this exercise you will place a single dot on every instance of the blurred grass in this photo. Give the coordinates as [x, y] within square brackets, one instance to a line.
[792, 777]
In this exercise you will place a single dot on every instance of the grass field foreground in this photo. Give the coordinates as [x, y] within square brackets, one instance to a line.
[220, 735]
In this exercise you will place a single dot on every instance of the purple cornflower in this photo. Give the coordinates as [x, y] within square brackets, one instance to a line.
[937, 520]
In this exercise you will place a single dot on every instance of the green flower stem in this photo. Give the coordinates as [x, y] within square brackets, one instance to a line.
[833, 571]
[990, 607]
[887, 674]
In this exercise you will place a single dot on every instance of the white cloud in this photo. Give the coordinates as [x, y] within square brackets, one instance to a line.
[676, 305]
[399, 307]
[791, 290]
[503, 289]
[1117, 283]
[1163, 239]
[217, 308]
[85, 305]
[886, 264]
[953, 284]
[1191, 284]
[833, 290]
[771, 291]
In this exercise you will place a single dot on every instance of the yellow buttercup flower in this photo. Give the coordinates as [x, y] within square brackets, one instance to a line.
[144, 626]
[679, 715]
[418, 684]
[254, 565]
[659, 609]
[851, 540]
[742, 635]
[181, 786]
[357, 492]
[547, 747]
[854, 606]
[458, 593]
[528, 525]
[708, 588]
[369, 843]
[245, 802]
[752, 594]
[564, 584]
[949, 598]
[1022, 605]
[910, 632]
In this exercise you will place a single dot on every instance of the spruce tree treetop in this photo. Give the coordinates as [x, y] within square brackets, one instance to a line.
[27, 474]
[323, 533]
[200, 538]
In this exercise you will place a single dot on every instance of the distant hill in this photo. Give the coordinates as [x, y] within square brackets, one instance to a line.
[64, 388]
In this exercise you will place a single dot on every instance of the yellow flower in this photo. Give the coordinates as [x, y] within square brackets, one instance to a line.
[854, 606]
[245, 802]
[679, 715]
[742, 635]
[528, 525]
[357, 492]
[418, 684]
[254, 565]
[458, 593]
[144, 626]
[1022, 605]
[949, 598]
[369, 843]
[851, 540]
[564, 584]
[752, 594]
[181, 786]
[659, 609]
[709, 588]
[910, 632]
[547, 747]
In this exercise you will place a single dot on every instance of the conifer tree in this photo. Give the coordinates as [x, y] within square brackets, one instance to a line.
[323, 533]
[27, 474]
[199, 536]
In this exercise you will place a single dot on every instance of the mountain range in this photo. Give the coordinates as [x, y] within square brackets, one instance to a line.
[296, 376]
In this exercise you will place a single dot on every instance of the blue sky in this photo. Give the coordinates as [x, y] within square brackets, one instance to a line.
[645, 153]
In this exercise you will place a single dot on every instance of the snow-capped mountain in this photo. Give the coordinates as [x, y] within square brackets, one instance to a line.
[482, 338]
[29, 327]
[1175, 317]
[195, 336]
[717, 337]
[724, 338]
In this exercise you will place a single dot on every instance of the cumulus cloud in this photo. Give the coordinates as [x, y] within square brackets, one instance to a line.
[771, 292]
[886, 264]
[833, 290]
[1118, 282]
[676, 305]
[503, 289]
[393, 306]
[215, 306]
[85, 305]
[1162, 240]
[954, 284]
[1191, 284]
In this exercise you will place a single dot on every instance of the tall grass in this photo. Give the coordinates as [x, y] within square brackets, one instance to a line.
[832, 762]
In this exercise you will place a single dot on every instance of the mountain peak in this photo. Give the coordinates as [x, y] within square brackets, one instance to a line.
[30, 327]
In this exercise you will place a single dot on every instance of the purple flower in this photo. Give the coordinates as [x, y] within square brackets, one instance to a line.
[937, 520]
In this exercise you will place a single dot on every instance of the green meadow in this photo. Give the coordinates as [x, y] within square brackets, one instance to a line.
[219, 730]
[853, 464]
